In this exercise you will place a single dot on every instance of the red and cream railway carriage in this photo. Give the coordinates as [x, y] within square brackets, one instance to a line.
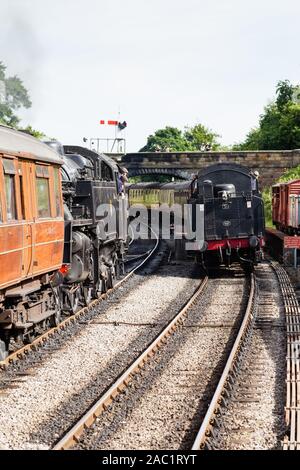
[31, 234]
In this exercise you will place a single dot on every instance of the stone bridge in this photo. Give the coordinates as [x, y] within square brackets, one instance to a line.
[270, 164]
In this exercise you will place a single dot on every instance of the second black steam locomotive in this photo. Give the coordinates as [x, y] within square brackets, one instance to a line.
[225, 200]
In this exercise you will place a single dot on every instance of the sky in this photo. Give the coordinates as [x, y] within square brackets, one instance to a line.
[151, 63]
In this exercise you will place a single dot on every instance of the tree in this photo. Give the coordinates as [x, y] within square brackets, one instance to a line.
[201, 138]
[279, 125]
[163, 140]
[37, 134]
[197, 138]
[13, 96]
[284, 91]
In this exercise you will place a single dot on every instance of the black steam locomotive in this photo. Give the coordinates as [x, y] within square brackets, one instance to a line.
[95, 214]
[225, 211]
[233, 211]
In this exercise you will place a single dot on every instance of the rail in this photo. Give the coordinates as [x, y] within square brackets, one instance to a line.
[205, 434]
[292, 313]
[73, 435]
[40, 340]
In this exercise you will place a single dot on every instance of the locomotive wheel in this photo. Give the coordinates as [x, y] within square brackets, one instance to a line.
[114, 272]
[87, 294]
[72, 301]
[105, 282]
[3, 350]
[118, 268]
[56, 317]
[105, 285]
[110, 280]
[100, 288]
[29, 337]
[75, 301]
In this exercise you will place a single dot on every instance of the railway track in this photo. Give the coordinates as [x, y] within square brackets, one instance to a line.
[224, 388]
[231, 369]
[142, 259]
[291, 440]
[254, 416]
[42, 396]
[254, 375]
[73, 435]
[168, 399]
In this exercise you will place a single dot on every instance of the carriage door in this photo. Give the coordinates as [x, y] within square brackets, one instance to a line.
[26, 205]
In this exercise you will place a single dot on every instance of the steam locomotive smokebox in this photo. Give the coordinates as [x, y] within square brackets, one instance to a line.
[284, 248]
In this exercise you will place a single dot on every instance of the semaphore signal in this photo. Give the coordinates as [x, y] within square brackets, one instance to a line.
[109, 145]
[120, 125]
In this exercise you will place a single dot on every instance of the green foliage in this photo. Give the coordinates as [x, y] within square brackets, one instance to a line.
[38, 134]
[289, 175]
[284, 91]
[7, 116]
[168, 139]
[200, 138]
[171, 139]
[279, 125]
[2, 71]
[267, 198]
[15, 96]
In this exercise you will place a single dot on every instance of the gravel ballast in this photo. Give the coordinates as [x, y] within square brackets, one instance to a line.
[164, 405]
[51, 394]
[254, 418]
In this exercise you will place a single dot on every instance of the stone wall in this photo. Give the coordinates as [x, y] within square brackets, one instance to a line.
[270, 164]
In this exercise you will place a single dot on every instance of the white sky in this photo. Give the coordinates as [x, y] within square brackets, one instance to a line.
[161, 62]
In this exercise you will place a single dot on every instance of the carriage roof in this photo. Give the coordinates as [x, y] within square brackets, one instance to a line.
[22, 144]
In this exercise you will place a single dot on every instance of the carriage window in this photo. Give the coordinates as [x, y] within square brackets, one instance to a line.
[43, 199]
[10, 192]
[57, 192]
[42, 171]
[10, 189]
